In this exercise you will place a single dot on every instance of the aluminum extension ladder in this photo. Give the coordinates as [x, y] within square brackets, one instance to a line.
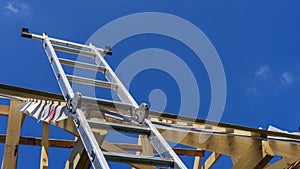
[139, 114]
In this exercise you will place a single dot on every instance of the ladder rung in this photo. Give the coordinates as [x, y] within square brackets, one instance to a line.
[81, 65]
[73, 50]
[104, 102]
[119, 127]
[130, 158]
[91, 82]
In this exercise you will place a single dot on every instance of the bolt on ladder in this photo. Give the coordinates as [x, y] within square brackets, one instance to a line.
[139, 114]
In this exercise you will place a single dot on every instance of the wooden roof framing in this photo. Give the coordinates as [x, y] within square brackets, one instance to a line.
[247, 147]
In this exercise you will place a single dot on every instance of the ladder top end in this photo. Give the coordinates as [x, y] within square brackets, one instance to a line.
[25, 33]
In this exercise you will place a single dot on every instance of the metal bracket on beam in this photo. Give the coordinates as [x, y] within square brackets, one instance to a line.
[74, 103]
[107, 50]
[140, 114]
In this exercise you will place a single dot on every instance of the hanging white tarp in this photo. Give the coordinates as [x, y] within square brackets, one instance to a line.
[45, 112]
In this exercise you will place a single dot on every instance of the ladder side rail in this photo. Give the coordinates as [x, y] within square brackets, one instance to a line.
[61, 77]
[121, 90]
[162, 147]
[156, 139]
[95, 154]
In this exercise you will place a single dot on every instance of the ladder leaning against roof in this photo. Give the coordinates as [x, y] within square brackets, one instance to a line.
[138, 114]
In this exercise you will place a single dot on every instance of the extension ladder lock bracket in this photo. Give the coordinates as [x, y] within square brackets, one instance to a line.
[136, 117]
[140, 114]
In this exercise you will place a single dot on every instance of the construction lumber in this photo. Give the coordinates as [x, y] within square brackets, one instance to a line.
[45, 146]
[256, 156]
[212, 159]
[15, 120]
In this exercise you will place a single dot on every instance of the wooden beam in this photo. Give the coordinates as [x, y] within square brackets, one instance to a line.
[282, 163]
[147, 149]
[212, 159]
[256, 156]
[67, 125]
[197, 161]
[285, 149]
[35, 94]
[178, 151]
[4, 110]
[13, 136]
[189, 152]
[45, 146]
[78, 158]
[31, 141]
[222, 144]
[295, 165]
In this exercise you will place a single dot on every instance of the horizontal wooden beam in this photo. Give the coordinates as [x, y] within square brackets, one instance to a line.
[282, 163]
[31, 141]
[35, 94]
[178, 151]
[4, 110]
[28, 93]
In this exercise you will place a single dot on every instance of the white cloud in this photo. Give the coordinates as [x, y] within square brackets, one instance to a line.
[17, 8]
[11, 8]
[263, 72]
[286, 78]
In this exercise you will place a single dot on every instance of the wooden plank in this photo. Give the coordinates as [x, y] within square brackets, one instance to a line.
[35, 94]
[212, 159]
[31, 141]
[45, 146]
[197, 161]
[13, 136]
[189, 152]
[28, 93]
[78, 158]
[221, 144]
[4, 110]
[256, 156]
[67, 125]
[295, 165]
[285, 149]
[178, 151]
[282, 163]
[147, 149]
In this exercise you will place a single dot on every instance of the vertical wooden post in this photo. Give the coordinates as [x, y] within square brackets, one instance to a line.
[197, 162]
[15, 120]
[45, 146]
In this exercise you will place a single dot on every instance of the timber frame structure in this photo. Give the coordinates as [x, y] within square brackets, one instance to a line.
[247, 147]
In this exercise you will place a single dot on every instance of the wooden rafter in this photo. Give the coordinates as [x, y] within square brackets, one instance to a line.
[247, 147]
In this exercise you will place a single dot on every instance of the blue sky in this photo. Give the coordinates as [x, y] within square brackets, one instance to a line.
[257, 41]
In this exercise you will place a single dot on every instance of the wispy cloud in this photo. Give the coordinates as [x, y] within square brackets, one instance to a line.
[15, 7]
[263, 72]
[286, 78]
[11, 8]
